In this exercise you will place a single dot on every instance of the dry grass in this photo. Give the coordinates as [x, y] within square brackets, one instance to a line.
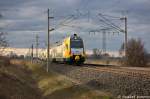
[104, 61]
[16, 83]
[56, 86]
[115, 62]
[23, 80]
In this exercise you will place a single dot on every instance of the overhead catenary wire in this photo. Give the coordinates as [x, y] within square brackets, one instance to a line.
[112, 17]
[72, 18]
[109, 23]
[68, 19]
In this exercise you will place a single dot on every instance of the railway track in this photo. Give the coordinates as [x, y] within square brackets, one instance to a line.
[114, 69]
[114, 79]
[119, 70]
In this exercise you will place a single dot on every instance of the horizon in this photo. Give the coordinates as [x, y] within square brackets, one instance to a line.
[26, 51]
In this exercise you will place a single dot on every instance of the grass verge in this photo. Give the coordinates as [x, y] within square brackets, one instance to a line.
[31, 81]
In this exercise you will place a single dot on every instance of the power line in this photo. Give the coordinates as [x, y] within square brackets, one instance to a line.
[109, 25]
[108, 22]
[110, 16]
[72, 18]
[32, 53]
[104, 44]
[48, 39]
[37, 45]
[126, 34]
[67, 19]
[104, 40]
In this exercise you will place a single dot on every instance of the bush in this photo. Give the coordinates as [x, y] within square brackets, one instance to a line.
[4, 61]
[3, 43]
[97, 53]
[136, 54]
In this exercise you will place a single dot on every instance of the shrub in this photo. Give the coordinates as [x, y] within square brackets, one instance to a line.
[136, 54]
[4, 61]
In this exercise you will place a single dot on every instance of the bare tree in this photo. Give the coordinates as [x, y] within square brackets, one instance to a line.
[3, 42]
[136, 54]
[97, 53]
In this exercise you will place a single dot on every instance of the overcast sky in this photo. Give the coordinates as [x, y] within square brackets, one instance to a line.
[23, 19]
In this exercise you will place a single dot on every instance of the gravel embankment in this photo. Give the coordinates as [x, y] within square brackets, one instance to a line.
[117, 84]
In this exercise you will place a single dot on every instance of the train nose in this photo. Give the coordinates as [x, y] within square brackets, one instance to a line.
[77, 58]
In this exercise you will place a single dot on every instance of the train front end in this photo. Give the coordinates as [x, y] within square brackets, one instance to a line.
[77, 54]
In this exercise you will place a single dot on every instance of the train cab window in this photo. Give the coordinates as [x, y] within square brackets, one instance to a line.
[76, 44]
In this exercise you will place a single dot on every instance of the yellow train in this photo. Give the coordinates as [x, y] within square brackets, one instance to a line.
[70, 50]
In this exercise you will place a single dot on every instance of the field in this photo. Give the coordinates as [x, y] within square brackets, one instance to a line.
[23, 80]
[108, 61]
[104, 61]
[110, 79]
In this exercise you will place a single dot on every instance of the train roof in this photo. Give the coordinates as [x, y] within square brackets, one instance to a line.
[74, 36]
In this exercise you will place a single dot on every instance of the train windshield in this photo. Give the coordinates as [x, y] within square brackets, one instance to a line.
[76, 44]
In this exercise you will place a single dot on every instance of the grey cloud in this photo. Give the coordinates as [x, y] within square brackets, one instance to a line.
[30, 15]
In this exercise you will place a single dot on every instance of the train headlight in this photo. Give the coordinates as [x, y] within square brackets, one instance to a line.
[77, 58]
